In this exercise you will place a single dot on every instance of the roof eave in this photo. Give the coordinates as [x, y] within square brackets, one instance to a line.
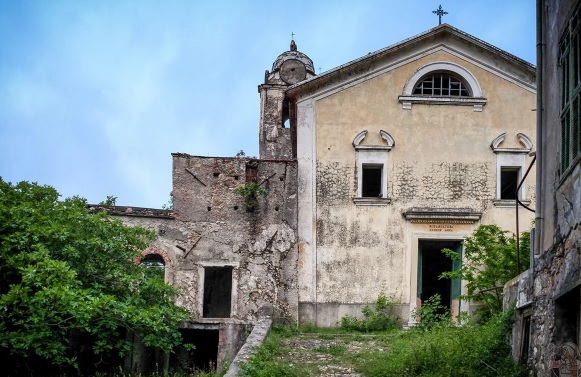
[296, 89]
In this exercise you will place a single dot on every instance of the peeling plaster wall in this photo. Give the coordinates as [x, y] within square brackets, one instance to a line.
[441, 159]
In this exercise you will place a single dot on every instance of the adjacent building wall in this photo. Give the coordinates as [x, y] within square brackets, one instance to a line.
[557, 262]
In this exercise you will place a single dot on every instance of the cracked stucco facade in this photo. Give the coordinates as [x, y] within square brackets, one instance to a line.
[352, 249]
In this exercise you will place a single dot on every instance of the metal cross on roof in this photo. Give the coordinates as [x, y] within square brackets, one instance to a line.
[292, 35]
[440, 12]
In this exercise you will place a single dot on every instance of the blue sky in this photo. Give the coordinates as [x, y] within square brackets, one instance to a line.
[96, 95]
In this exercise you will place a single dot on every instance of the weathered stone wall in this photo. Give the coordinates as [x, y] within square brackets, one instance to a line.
[211, 226]
[215, 227]
[519, 292]
[557, 263]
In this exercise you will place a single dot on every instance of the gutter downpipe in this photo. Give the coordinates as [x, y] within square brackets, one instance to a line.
[540, 142]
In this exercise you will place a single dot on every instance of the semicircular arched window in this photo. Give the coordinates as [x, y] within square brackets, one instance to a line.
[441, 84]
[153, 261]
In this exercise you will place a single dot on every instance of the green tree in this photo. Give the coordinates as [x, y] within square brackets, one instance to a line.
[489, 261]
[65, 270]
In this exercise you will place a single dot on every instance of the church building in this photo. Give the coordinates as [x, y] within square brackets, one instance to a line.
[365, 173]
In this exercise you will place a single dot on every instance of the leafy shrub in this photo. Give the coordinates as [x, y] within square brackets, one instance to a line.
[379, 318]
[432, 313]
[489, 261]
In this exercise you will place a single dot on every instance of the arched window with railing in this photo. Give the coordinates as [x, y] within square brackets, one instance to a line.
[442, 83]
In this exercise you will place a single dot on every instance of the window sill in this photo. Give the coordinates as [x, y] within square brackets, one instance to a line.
[407, 101]
[371, 201]
[508, 203]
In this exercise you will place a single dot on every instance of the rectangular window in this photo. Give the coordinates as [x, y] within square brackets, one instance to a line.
[509, 179]
[371, 182]
[217, 292]
[570, 64]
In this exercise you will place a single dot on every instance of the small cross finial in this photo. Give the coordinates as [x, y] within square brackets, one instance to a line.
[440, 12]
[292, 35]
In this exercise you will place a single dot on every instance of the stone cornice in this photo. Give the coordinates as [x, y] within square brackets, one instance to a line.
[442, 215]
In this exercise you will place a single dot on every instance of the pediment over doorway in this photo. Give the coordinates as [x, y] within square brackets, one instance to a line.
[442, 215]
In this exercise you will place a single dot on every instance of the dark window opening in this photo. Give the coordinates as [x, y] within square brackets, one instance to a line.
[203, 357]
[251, 172]
[526, 339]
[508, 182]
[371, 181]
[285, 114]
[217, 292]
[441, 84]
[567, 310]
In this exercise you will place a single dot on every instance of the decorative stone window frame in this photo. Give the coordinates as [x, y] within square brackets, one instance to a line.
[372, 155]
[511, 158]
[477, 99]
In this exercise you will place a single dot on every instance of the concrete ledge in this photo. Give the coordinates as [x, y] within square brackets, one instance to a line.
[249, 348]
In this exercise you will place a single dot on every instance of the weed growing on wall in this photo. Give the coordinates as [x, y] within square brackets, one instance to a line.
[250, 193]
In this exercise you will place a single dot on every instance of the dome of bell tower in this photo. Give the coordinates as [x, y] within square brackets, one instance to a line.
[293, 54]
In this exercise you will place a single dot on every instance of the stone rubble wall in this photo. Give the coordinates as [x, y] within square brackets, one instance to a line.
[212, 226]
[556, 271]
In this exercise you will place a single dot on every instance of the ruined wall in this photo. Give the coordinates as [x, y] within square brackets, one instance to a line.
[211, 226]
[441, 159]
[216, 228]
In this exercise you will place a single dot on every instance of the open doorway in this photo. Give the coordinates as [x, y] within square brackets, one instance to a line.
[432, 262]
[204, 355]
[217, 292]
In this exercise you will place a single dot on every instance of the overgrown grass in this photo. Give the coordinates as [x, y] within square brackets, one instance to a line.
[335, 349]
[437, 348]
[470, 351]
[266, 362]
[196, 373]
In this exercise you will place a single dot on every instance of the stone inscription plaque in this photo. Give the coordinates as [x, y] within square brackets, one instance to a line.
[441, 227]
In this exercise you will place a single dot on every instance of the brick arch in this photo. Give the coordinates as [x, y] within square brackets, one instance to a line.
[155, 250]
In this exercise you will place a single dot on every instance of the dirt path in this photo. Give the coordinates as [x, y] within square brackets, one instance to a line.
[327, 355]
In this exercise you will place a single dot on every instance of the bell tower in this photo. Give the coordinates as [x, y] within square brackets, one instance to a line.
[277, 112]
